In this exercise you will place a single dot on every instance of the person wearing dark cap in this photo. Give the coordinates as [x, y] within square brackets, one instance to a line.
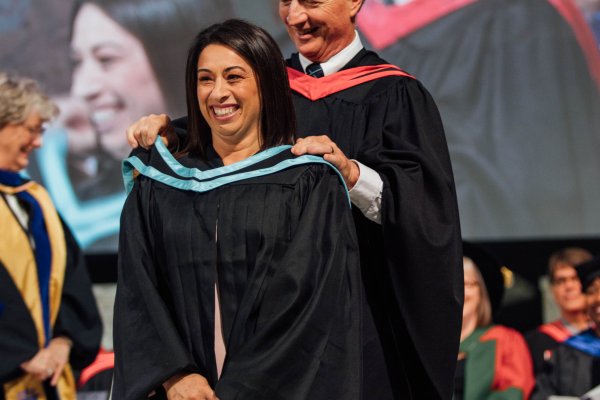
[493, 359]
[574, 368]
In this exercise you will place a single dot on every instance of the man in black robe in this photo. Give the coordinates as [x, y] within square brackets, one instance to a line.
[574, 368]
[385, 136]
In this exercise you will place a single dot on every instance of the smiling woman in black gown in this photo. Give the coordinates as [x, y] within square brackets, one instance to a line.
[238, 263]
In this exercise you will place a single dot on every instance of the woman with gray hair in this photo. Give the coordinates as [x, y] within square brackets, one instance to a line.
[493, 361]
[49, 321]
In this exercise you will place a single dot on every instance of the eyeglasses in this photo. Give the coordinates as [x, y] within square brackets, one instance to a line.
[35, 130]
[564, 280]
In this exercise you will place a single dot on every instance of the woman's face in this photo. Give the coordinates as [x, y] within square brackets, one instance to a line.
[228, 95]
[472, 290]
[113, 76]
[18, 140]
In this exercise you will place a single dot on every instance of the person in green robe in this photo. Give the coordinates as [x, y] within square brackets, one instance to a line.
[494, 361]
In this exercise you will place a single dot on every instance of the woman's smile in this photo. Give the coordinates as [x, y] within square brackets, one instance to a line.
[224, 112]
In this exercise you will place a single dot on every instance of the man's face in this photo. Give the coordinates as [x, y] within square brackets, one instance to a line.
[592, 294]
[566, 289]
[319, 28]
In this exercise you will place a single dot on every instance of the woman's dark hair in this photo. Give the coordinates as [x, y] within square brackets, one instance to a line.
[259, 50]
[165, 29]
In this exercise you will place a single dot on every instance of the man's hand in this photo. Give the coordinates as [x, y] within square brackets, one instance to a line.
[322, 145]
[144, 131]
[50, 361]
[189, 387]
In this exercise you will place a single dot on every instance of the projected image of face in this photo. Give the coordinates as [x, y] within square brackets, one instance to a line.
[113, 76]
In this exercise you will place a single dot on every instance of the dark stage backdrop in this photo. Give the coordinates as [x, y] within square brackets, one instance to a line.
[517, 84]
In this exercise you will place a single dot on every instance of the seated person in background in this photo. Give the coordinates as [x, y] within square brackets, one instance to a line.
[574, 367]
[493, 361]
[566, 290]
[49, 322]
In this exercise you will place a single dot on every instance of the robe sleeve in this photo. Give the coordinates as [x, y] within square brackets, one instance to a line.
[148, 348]
[180, 127]
[19, 341]
[547, 381]
[78, 317]
[514, 369]
[421, 231]
[538, 343]
[306, 342]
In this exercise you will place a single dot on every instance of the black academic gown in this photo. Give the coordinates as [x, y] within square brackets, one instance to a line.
[78, 318]
[540, 346]
[282, 250]
[543, 340]
[411, 263]
[570, 371]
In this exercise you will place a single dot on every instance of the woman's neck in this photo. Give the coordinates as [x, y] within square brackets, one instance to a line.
[232, 152]
[468, 326]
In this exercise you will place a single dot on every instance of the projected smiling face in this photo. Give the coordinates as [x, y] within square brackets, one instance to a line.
[112, 74]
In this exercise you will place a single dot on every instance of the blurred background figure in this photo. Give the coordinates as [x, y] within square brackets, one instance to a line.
[573, 367]
[95, 381]
[49, 321]
[570, 301]
[518, 88]
[494, 361]
[591, 12]
[126, 58]
[114, 79]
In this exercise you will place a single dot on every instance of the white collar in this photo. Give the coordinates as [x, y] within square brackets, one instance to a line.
[337, 62]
